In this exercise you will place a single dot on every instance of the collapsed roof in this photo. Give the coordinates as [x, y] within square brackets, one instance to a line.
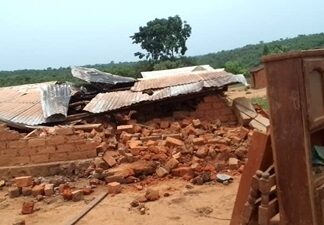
[50, 102]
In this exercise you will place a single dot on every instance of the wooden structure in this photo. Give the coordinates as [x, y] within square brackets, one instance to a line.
[296, 97]
[258, 77]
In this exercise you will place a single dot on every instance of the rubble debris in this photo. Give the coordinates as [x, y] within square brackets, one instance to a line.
[24, 181]
[19, 222]
[152, 195]
[77, 195]
[27, 207]
[244, 110]
[14, 192]
[2, 183]
[114, 188]
[26, 191]
[260, 123]
[223, 178]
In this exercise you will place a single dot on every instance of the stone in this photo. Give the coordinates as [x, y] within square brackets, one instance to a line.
[100, 163]
[24, 181]
[49, 189]
[27, 207]
[111, 161]
[202, 152]
[14, 192]
[170, 141]
[87, 190]
[164, 124]
[127, 128]
[152, 195]
[182, 171]
[67, 193]
[233, 163]
[161, 172]
[172, 163]
[77, 195]
[134, 204]
[38, 190]
[19, 222]
[39, 198]
[114, 188]
[196, 123]
[198, 141]
[26, 191]
[2, 183]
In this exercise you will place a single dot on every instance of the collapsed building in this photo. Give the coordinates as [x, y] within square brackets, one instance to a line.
[127, 129]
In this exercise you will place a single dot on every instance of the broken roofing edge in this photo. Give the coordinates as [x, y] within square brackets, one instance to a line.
[26, 106]
[95, 76]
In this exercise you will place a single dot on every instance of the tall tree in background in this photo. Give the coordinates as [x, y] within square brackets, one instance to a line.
[163, 39]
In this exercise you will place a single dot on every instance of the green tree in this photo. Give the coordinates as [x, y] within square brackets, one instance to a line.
[163, 39]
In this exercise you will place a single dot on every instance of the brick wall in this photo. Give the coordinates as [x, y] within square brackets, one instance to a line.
[214, 107]
[63, 145]
[259, 79]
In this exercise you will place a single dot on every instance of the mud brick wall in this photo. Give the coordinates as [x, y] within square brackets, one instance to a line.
[214, 107]
[63, 146]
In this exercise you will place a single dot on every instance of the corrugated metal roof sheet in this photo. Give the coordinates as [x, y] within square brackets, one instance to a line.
[175, 72]
[55, 99]
[110, 101]
[95, 76]
[142, 85]
[23, 104]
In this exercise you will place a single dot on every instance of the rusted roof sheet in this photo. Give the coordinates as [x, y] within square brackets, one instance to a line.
[55, 100]
[110, 101]
[23, 104]
[194, 77]
[95, 76]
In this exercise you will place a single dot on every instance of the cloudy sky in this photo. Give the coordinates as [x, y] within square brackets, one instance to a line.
[54, 33]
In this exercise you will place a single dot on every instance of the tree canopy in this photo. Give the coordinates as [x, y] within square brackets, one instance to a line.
[163, 39]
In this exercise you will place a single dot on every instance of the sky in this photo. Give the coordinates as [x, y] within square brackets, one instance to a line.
[37, 34]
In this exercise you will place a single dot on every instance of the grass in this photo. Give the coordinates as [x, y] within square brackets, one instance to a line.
[262, 101]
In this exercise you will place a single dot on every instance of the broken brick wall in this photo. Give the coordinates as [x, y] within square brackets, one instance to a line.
[211, 108]
[63, 145]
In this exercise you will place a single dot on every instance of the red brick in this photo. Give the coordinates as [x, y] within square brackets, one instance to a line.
[39, 158]
[58, 156]
[22, 143]
[55, 140]
[198, 141]
[127, 128]
[114, 188]
[49, 189]
[24, 181]
[109, 159]
[64, 130]
[182, 171]
[3, 145]
[233, 163]
[38, 190]
[172, 163]
[88, 146]
[170, 141]
[82, 155]
[36, 142]
[164, 124]
[77, 195]
[46, 149]
[65, 148]
[196, 123]
[133, 144]
[27, 208]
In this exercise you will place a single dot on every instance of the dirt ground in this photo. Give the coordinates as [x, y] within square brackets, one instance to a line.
[206, 204]
[236, 91]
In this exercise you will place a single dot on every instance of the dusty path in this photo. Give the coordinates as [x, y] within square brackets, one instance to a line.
[207, 204]
[199, 205]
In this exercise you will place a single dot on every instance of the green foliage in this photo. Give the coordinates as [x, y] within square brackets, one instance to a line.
[235, 68]
[163, 39]
[236, 61]
[263, 102]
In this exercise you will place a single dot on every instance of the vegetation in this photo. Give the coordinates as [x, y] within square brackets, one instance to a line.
[163, 39]
[263, 102]
[238, 60]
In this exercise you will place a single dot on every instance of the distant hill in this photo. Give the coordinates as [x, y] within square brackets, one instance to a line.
[237, 60]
